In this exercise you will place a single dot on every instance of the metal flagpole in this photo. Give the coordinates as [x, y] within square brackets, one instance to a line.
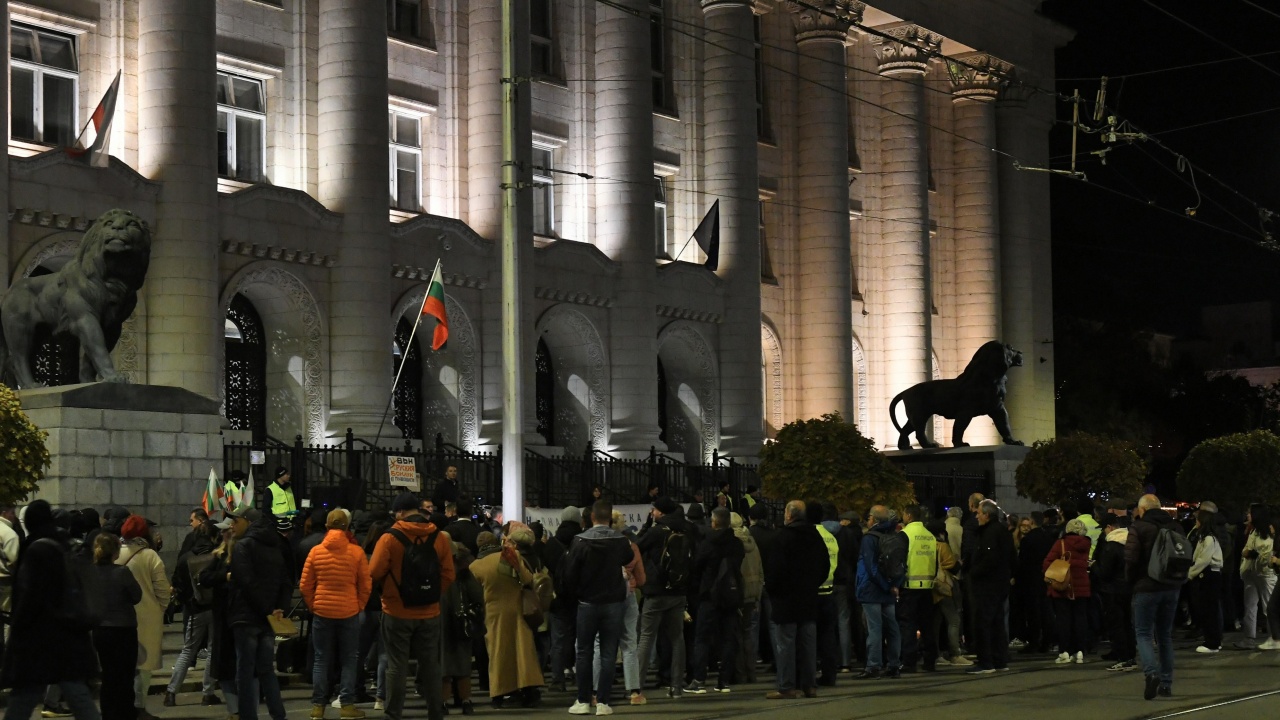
[403, 359]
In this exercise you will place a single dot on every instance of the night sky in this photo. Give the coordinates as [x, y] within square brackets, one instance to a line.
[1122, 260]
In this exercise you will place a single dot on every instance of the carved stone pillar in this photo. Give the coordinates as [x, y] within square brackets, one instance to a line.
[734, 180]
[975, 86]
[624, 216]
[178, 144]
[904, 155]
[353, 181]
[826, 286]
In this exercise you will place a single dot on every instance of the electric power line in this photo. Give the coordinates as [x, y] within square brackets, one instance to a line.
[1200, 31]
[1175, 68]
[1259, 8]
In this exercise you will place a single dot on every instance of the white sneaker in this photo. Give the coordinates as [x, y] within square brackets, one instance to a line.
[1269, 645]
[961, 661]
[1063, 659]
[377, 704]
[337, 703]
[580, 708]
[1205, 649]
[1016, 644]
[603, 709]
[1079, 658]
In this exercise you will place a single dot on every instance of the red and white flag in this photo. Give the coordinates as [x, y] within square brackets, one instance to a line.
[92, 145]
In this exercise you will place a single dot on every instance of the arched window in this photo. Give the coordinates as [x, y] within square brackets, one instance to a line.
[57, 359]
[246, 368]
[545, 392]
[407, 397]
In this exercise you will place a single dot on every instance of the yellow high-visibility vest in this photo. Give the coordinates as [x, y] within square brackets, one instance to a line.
[833, 555]
[282, 501]
[922, 557]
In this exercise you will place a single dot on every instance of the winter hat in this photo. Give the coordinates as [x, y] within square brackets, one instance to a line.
[486, 539]
[1076, 527]
[665, 505]
[1209, 506]
[849, 515]
[696, 512]
[571, 514]
[281, 471]
[759, 511]
[134, 527]
[405, 501]
[338, 519]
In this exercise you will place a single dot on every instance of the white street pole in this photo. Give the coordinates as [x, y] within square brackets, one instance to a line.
[512, 332]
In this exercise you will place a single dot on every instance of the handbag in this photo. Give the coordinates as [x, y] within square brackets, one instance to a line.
[942, 584]
[1058, 574]
[282, 626]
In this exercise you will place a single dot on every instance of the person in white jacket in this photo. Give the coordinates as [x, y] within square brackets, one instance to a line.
[1256, 573]
[1206, 576]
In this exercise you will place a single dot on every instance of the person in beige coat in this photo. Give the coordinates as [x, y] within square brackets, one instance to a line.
[513, 655]
[136, 553]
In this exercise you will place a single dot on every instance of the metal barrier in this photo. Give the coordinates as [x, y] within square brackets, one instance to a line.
[354, 473]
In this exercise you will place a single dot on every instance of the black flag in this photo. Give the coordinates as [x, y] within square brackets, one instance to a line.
[708, 236]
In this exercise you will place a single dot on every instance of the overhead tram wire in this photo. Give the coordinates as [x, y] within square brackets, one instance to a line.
[1175, 68]
[1259, 8]
[1215, 122]
[1200, 31]
[1191, 185]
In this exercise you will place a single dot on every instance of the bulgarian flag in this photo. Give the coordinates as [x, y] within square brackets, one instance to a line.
[433, 305]
[93, 140]
[214, 500]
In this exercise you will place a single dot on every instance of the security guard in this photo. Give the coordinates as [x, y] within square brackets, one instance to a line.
[283, 503]
[915, 603]
[828, 609]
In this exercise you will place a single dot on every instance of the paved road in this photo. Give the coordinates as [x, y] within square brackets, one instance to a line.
[1231, 685]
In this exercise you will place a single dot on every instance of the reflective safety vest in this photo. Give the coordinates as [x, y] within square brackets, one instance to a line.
[282, 501]
[922, 557]
[833, 555]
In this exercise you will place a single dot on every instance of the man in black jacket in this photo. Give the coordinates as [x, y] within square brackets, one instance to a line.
[464, 530]
[990, 568]
[717, 564]
[1154, 602]
[260, 587]
[1029, 588]
[853, 637]
[593, 576]
[795, 567]
[665, 588]
[563, 623]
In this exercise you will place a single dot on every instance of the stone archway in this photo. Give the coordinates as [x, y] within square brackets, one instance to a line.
[581, 378]
[861, 395]
[693, 390]
[297, 398]
[771, 377]
[449, 383]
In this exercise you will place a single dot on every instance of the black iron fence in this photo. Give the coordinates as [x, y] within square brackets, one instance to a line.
[939, 491]
[354, 473]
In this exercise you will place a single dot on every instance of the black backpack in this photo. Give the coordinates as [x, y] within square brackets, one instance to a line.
[419, 582]
[83, 607]
[727, 592]
[892, 555]
[674, 563]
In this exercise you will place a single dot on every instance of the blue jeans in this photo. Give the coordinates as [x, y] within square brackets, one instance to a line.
[630, 633]
[795, 653]
[882, 621]
[255, 665]
[197, 636]
[1153, 626]
[74, 692]
[335, 640]
[605, 620]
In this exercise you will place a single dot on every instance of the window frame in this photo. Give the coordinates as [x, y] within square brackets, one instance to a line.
[764, 128]
[38, 71]
[394, 147]
[551, 72]
[234, 113]
[544, 182]
[661, 238]
[664, 101]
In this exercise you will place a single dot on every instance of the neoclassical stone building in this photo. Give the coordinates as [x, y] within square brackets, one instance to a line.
[303, 164]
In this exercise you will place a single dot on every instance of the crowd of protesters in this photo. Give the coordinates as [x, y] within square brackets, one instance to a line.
[694, 600]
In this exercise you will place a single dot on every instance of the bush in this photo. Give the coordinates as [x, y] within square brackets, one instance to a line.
[1233, 470]
[23, 456]
[1065, 470]
[827, 458]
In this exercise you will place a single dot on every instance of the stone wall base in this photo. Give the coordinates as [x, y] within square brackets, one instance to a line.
[995, 463]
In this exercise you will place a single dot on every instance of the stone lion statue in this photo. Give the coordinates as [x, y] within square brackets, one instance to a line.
[89, 299]
[978, 391]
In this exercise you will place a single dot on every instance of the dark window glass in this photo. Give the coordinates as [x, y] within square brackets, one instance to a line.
[246, 369]
[545, 393]
[407, 397]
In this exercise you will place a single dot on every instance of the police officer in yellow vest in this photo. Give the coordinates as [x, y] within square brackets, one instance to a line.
[283, 503]
[828, 610]
[915, 602]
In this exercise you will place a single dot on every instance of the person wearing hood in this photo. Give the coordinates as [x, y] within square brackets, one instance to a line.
[878, 596]
[412, 624]
[563, 620]
[1071, 605]
[795, 567]
[716, 619]
[1154, 602]
[336, 586]
[1117, 601]
[137, 554]
[752, 590]
[261, 585]
[665, 591]
[197, 616]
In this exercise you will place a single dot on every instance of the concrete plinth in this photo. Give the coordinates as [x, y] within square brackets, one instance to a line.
[950, 472]
[145, 447]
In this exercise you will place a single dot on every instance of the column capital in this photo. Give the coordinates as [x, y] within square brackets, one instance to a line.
[709, 5]
[825, 19]
[909, 51]
[978, 76]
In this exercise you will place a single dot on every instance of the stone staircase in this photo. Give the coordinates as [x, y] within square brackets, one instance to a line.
[171, 646]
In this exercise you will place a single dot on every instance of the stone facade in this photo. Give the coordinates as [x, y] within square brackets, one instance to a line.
[868, 234]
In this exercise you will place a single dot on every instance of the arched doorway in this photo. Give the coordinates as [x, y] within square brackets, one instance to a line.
[407, 397]
[571, 381]
[688, 392]
[245, 370]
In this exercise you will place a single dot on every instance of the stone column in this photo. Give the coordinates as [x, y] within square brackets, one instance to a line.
[904, 151]
[826, 284]
[5, 270]
[624, 217]
[484, 118]
[178, 147]
[352, 78]
[975, 85]
[734, 179]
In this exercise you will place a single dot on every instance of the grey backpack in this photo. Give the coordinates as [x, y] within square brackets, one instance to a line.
[1171, 557]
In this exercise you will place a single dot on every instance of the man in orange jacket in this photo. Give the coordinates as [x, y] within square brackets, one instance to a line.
[336, 585]
[414, 563]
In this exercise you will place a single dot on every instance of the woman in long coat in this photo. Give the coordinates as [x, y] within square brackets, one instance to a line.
[513, 653]
[136, 553]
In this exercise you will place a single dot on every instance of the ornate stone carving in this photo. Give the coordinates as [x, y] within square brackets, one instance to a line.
[861, 396]
[709, 387]
[909, 51]
[773, 373]
[978, 76]
[825, 19]
[304, 303]
[462, 341]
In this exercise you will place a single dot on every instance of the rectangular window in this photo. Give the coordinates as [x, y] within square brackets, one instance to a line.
[242, 128]
[542, 38]
[660, 219]
[544, 193]
[763, 129]
[44, 87]
[405, 132]
[404, 18]
[766, 265]
[662, 100]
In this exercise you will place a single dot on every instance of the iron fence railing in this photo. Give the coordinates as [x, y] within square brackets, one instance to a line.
[939, 491]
